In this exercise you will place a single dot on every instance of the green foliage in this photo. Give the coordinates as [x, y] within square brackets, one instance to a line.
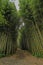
[3, 4]
[11, 13]
[25, 10]
[37, 10]
[9, 23]
[30, 10]
[2, 20]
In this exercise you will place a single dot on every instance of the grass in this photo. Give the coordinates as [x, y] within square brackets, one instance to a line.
[2, 55]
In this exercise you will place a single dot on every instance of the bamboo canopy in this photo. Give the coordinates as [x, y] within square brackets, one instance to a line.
[21, 29]
[8, 27]
[31, 12]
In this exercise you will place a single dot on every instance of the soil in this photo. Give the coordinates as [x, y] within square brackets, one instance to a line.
[21, 58]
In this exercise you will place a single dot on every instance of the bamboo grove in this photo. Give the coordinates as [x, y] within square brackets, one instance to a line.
[8, 27]
[32, 15]
[14, 34]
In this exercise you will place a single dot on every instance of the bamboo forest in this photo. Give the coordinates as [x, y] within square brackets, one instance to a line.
[21, 32]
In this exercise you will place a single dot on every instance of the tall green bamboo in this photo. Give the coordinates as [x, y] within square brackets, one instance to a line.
[29, 12]
[8, 27]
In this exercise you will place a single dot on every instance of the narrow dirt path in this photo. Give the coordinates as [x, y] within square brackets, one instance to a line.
[21, 58]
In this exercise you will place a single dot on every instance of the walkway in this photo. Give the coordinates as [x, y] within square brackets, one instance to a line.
[21, 58]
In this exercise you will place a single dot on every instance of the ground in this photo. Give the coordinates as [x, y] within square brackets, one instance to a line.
[21, 58]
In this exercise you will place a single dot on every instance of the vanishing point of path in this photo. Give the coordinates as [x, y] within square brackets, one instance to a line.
[21, 58]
